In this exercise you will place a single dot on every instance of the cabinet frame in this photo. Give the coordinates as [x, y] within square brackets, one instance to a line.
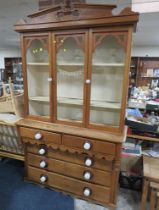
[88, 34]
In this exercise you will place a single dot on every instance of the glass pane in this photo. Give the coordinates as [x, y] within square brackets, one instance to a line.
[107, 80]
[37, 62]
[70, 78]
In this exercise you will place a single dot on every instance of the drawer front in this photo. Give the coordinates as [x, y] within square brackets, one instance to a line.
[72, 158]
[89, 145]
[35, 149]
[40, 135]
[98, 193]
[71, 170]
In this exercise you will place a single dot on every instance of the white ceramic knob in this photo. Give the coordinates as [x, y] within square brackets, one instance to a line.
[43, 164]
[88, 81]
[87, 192]
[88, 162]
[49, 79]
[87, 175]
[38, 136]
[43, 178]
[87, 146]
[42, 151]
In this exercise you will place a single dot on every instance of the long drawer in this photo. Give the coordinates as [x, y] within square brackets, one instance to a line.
[70, 169]
[98, 193]
[40, 136]
[89, 145]
[80, 159]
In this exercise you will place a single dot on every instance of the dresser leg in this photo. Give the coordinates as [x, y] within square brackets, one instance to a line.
[153, 199]
[144, 194]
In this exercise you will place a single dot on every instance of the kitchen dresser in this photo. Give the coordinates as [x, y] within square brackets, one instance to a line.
[75, 61]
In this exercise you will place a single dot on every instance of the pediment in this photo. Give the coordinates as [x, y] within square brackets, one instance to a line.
[80, 13]
[77, 12]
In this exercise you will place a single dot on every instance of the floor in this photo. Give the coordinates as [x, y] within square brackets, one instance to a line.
[127, 200]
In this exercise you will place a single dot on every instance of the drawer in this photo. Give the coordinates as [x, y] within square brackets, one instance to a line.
[36, 149]
[89, 145]
[72, 158]
[74, 186]
[40, 136]
[81, 159]
[71, 170]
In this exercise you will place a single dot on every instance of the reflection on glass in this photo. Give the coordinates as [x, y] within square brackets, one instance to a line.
[107, 81]
[37, 76]
[70, 76]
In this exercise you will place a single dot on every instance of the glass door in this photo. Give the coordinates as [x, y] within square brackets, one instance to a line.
[37, 73]
[70, 68]
[108, 70]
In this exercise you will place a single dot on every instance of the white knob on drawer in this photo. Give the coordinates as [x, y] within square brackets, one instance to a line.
[87, 175]
[38, 136]
[49, 79]
[43, 178]
[43, 164]
[87, 146]
[88, 162]
[88, 81]
[42, 151]
[87, 192]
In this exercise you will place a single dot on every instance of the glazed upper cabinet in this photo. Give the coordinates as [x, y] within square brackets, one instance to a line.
[76, 70]
[77, 77]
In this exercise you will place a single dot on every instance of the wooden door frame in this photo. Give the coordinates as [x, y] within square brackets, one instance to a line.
[24, 37]
[128, 30]
[83, 32]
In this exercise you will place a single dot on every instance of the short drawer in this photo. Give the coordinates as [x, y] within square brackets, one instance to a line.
[40, 136]
[72, 170]
[74, 186]
[36, 149]
[89, 145]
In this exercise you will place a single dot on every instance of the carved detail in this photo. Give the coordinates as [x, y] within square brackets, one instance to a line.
[64, 148]
[121, 39]
[127, 11]
[61, 39]
[98, 38]
[44, 41]
[67, 8]
[75, 151]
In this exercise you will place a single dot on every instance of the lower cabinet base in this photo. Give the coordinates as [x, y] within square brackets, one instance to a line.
[98, 194]
[81, 166]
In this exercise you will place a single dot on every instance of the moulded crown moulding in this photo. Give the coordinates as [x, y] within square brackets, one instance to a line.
[78, 16]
